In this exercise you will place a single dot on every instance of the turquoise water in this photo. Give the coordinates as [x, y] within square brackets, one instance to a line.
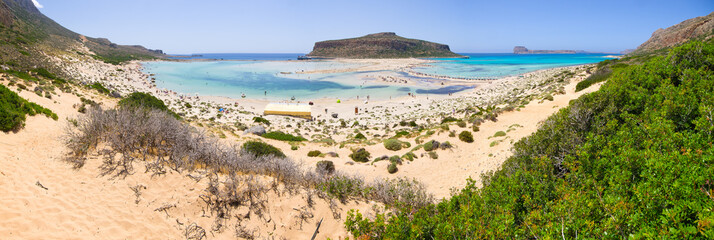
[268, 80]
[277, 80]
[494, 65]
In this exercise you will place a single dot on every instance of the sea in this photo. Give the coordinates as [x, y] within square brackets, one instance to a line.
[276, 76]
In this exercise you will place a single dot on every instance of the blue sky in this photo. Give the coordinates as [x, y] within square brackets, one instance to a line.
[282, 26]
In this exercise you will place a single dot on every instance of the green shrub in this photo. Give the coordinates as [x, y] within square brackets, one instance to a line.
[548, 97]
[461, 124]
[475, 128]
[393, 144]
[314, 153]
[100, 88]
[466, 137]
[433, 155]
[277, 135]
[360, 136]
[409, 156]
[431, 145]
[262, 149]
[401, 134]
[294, 147]
[598, 76]
[499, 134]
[43, 72]
[449, 119]
[145, 100]
[325, 167]
[392, 168]
[13, 110]
[360, 155]
[395, 159]
[261, 120]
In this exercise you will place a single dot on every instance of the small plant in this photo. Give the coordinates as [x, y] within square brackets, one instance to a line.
[360, 136]
[548, 97]
[499, 134]
[433, 155]
[262, 149]
[452, 133]
[475, 128]
[466, 137]
[392, 168]
[393, 144]
[395, 159]
[401, 134]
[461, 124]
[449, 119]
[325, 167]
[361, 155]
[431, 145]
[409, 156]
[294, 147]
[314, 153]
[277, 135]
[100, 88]
[261, 120]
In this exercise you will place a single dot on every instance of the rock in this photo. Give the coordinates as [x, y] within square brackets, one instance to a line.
[257, 130]
[380, 45]
[699, 27]
[331, 154]
[334, 115]
[115, 94]
[384, 157]
[4, 68]
[38, 89]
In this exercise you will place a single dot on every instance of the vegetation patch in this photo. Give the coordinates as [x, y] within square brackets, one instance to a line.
[262, 149]
[277, 135]
[360, 155]
[13, 110]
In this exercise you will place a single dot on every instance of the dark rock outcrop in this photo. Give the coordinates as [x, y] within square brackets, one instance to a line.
[380, 45]
[695, 28]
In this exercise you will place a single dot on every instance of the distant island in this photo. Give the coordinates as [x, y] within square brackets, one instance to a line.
[381, 45]
[524, 50]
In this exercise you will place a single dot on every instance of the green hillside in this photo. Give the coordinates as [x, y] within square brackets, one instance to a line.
[632, 160]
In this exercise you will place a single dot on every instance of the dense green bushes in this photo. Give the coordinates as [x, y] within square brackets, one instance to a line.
[600, 75]
[314, 153]
[277, 135]
[145, 100]
[393, 144]
[466, 136]
[631, 160]
[13, 109]
[360, 155]
[262, 149]
[261, 120]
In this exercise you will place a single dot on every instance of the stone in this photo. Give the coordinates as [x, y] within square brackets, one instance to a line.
[257, 130]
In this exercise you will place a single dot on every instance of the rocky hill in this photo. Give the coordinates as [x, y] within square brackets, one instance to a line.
[380, 45]
[29, 39]
[695, 28]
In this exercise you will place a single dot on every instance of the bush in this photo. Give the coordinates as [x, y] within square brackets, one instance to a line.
[281, 136]
[433, 155]
[146, 101]
[262, 149]
[409, 156]
[548, 97]
[448, 120]
[393, 144]
[294, 147]
[360, 136]
[361, 155]
[325, 167]
[461, 124]
[499, 134]
[395, 159]
[392, 168]
[261, 120]
[431, 145]
[475, 128]
[13, 110]
[466, 137]
[100, 88]
[600, 75]
[401, 134]
[314, 153]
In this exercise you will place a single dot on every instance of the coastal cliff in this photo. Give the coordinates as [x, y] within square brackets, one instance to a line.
[380, 45]
[524, 50]
[696, 28]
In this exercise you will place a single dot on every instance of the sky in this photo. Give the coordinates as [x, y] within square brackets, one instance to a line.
[293, 26]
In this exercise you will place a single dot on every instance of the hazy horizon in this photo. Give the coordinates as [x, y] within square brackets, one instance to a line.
[184, 27]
